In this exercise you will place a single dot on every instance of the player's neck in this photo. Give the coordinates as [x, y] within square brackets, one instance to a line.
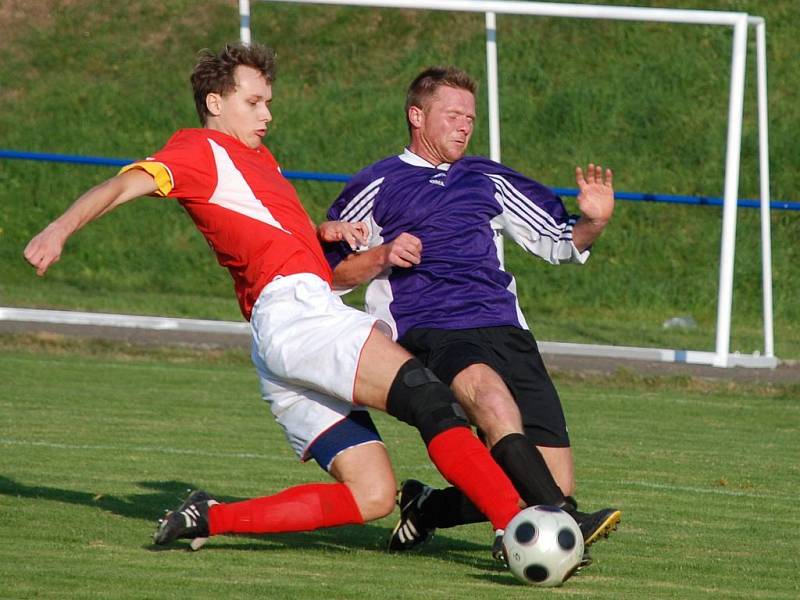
[420, 149]
[219, 127]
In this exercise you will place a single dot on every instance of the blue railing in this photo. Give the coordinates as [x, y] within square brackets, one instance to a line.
[338, 177]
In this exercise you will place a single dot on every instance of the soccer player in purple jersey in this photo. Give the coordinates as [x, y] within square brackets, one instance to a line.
[435, 276]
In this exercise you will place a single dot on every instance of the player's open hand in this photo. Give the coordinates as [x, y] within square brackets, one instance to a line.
[596, 193]
[45, 248]
[355, 234]
[403, 251]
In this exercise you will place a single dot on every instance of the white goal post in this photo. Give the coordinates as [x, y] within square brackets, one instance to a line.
[739, 22]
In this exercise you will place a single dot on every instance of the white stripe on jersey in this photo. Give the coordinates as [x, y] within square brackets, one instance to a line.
[512, 288]
[361, 200]
[497, 226]
[530, 212]
[540, 243]
[365, 209]
[378, 298]
[543, 246]
[233, 192]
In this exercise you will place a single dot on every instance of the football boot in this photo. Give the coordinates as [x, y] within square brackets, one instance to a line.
[410, 531]
[188, 521]
[598, 524]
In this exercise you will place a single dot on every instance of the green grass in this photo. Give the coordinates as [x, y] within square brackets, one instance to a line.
[649, 100]
[97, 439]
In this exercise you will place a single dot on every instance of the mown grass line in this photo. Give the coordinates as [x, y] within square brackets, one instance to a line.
[96, 445]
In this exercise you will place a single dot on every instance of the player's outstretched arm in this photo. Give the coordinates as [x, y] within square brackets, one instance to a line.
[46, 247]
[404, 251]
[596, 203]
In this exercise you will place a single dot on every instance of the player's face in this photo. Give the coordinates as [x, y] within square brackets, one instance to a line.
[244, 113]
[445, 126]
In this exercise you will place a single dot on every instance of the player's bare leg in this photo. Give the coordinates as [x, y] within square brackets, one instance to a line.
[488, 402]
[380, 361]
[491, 407]
[390, 379]
[365, 491]
[367, 472]
[543, 475]
[562, 466]
[538, 472]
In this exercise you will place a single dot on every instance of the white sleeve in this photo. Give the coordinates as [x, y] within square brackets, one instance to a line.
[532, 226]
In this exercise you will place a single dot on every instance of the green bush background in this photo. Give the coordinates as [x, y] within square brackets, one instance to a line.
[649, 100]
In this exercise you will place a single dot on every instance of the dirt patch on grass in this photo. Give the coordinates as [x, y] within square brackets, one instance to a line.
[19, 16]
[133, 348]
[784, 381]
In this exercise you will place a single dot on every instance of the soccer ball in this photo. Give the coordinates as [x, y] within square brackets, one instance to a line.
[543, 545]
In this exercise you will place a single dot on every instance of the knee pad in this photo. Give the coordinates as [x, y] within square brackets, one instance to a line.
[418, 398]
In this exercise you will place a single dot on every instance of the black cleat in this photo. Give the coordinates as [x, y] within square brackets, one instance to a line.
[409, 531]
[597, 524]
[188, 521]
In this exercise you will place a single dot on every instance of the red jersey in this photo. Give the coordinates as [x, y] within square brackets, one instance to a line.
[248, 212]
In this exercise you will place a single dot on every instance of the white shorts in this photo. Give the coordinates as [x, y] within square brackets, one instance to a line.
[306, 348]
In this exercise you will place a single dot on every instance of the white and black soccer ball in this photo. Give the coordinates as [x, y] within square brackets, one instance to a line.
[543, 545]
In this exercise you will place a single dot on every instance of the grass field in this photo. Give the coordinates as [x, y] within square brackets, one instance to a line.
[97, 439]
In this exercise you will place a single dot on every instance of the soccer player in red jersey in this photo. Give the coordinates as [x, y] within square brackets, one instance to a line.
[320, 362]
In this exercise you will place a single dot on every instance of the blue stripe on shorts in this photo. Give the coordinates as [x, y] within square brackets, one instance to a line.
[355, 429]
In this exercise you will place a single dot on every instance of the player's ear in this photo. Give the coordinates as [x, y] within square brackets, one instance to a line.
[415, 116]
[214, 104]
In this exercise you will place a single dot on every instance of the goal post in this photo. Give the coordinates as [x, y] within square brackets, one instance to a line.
[739, 23]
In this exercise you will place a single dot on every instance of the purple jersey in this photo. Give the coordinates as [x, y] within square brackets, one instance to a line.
[455, 210]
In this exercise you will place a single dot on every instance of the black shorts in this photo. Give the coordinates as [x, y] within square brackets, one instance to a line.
[514, 355]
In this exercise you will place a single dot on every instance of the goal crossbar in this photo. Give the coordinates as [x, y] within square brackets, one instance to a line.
[739, 22]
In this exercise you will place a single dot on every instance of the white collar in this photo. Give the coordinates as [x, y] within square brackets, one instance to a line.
[416, 160]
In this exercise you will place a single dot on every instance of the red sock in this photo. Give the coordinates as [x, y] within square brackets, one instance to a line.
[300, 508]
[467, 464]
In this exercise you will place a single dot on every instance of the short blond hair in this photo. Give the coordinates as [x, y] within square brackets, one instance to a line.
[425, 85]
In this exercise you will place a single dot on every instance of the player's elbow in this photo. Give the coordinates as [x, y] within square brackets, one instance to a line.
[348, 275]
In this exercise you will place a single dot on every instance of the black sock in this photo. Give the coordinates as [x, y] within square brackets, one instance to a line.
[525, 467]
[449, 507]
[527, 470]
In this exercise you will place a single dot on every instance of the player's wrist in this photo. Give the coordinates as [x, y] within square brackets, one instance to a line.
[385, 257]
[59, 230]
[595, 223]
